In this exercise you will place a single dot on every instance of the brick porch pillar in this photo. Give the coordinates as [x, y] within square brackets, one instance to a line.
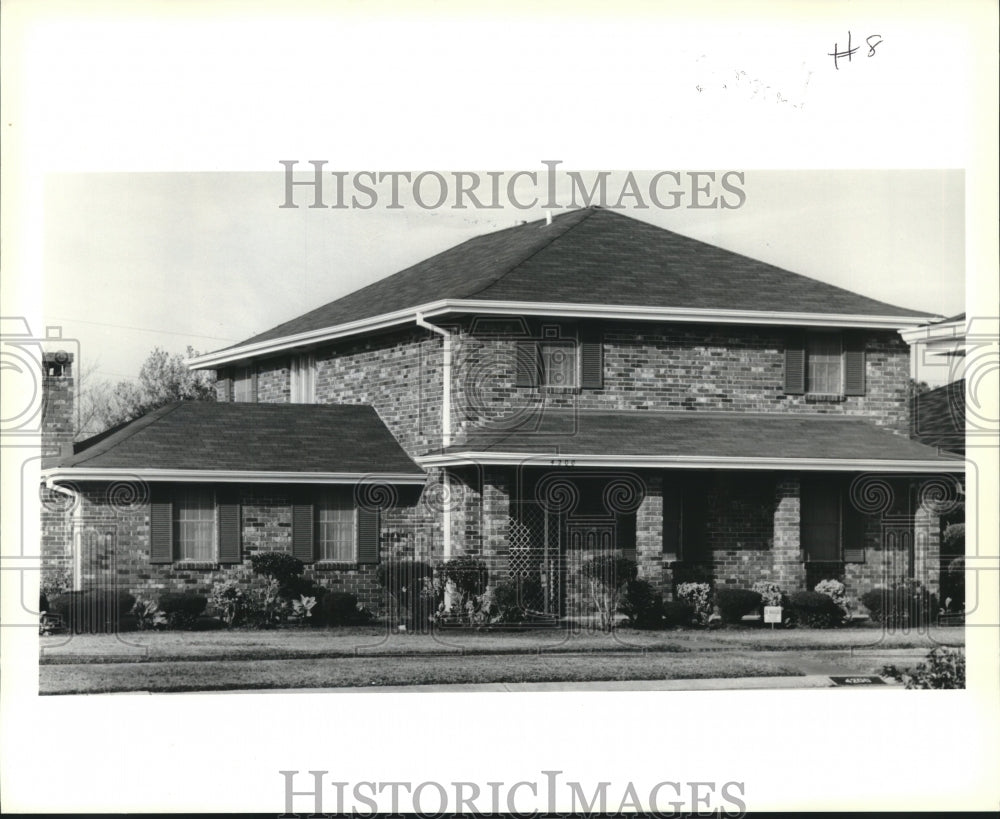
[927, 547]
[789, 561]
[649, 533]
[496, 522]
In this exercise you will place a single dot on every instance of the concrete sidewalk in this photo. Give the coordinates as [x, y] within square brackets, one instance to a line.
[725, 684]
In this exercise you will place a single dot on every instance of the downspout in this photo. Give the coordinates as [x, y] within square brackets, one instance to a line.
[445, 421]
[75, 531]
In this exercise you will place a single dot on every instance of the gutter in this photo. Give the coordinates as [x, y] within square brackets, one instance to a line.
[443, 307]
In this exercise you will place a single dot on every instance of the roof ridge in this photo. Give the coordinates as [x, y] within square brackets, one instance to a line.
[587, 212]
[120, 436]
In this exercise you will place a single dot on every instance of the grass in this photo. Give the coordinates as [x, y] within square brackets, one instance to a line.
[411, 670]
[313, 644]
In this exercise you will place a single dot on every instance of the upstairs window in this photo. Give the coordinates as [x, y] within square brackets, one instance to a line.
[831, 365]
[824, 365]
[245, 384]
[303, 379]
[558, 364]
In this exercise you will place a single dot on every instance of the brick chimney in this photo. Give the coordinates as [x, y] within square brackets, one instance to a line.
[58, 397]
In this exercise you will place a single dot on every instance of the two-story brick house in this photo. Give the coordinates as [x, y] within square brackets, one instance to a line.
[554, 389]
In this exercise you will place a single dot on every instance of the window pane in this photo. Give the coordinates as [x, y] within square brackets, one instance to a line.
[241, 385]
[194, 525]
[824, 365]
[302, 379]
[337, 527]
[559, 365]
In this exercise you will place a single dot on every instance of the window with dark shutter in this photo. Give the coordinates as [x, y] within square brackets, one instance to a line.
[230, 543]
[592, 361]
[161, 529]
[303, 531]
[795, 365]
[854, 366]
[368, 536]
[527, 364]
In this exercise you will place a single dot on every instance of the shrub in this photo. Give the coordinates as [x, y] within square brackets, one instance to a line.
[642, 604]
[953, 585]
[770, 593]
[94, 611]
[182, 608]
[279, 566]
[677, 613]
[470, 578]
[814, 610]
[56, 582]
[204, 623]
[512, 599]
[410, 584]
[735, 603]
[339, 608]
[907, 604]
[945, 668]
[699, 597]
[606, 574]
[953, 539]
[833, 589]
[148, 615]
[232, 603]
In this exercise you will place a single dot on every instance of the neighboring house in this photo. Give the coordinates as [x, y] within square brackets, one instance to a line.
[556, 389]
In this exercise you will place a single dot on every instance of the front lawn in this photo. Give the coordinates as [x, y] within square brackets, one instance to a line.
[413, 670]
[365, 641]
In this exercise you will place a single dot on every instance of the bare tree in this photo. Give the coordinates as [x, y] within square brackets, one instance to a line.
[163, 379]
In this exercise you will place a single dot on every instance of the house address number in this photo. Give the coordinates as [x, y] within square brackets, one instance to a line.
[562, 462]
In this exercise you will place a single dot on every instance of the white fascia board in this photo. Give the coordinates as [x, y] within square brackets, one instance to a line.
[690, 462]
[677, 314]
[556, 310]
[73, 473]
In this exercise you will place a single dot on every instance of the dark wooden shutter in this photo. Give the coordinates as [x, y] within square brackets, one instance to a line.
[795, 365]
[854, 365]
[368, 536]
[161, 528]
[671, 522]
[591, 360]
[253, 384]
[853, 528]
[230, 542]
[303, 531]
[527, 364]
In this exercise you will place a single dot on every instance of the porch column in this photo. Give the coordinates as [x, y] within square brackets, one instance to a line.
[789, 561]
[649, 532]
[927, 546]
[496, 522]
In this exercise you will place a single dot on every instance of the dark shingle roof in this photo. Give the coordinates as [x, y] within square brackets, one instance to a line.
[709, 434]
[304, 438]
[591, 256]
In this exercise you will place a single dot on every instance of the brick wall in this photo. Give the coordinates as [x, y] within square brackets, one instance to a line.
[679, 367]
[113, 538]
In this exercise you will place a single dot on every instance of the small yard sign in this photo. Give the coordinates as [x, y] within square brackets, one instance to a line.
[772, 614]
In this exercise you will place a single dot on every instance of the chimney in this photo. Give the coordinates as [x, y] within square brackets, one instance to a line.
[58, 398]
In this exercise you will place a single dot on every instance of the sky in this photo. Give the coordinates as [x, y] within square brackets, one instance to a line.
[138, 260]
